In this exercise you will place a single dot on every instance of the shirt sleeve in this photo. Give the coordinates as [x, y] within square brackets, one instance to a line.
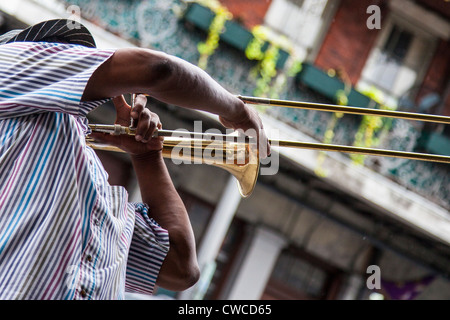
[46, 77]
[148, 249]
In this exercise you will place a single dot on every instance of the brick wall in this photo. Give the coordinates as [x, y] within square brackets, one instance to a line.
[436, 78]
[348, 42]
[249, 12]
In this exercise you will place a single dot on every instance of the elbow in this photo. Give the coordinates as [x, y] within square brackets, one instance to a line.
[189, 278]
[180, 269]
[180, 279]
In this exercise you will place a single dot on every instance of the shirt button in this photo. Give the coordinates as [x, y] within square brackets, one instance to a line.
[89, 258]
[83, 293]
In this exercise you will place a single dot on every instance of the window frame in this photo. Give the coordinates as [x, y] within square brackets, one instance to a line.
[303, 52]
[280, 289]
[429, 45]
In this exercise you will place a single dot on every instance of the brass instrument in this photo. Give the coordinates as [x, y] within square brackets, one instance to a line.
[240, 157]
[234, 154]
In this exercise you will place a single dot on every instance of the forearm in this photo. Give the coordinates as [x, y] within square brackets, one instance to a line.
[164, 77]
[179, 269]
[188, 86]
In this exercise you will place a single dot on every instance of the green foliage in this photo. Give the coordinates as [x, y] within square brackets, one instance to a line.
[266, 69]
[265, 48]
[207, 48]
[371, 128]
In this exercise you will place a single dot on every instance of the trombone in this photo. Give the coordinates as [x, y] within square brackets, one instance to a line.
[239, 155]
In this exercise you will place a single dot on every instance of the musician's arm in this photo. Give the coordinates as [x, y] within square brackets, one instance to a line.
[171, 80]
[179, 270]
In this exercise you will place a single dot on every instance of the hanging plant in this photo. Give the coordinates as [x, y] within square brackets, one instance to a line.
[254, 48]
[222, 15]
[266, 69]
[371, 128]
[341, 99]
[269, 80]
[292, 67]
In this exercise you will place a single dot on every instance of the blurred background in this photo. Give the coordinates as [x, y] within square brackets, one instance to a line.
[326, 225]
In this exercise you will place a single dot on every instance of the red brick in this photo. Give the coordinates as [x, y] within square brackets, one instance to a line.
[436, 78]
[348, 42]
[249, 12]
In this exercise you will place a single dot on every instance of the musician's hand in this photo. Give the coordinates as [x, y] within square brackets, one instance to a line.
[246, 119]
[147, 123]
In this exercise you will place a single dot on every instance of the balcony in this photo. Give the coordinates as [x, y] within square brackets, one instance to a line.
[319, 81]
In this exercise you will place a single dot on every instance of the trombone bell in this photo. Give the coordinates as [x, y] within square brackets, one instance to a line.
[238, 158]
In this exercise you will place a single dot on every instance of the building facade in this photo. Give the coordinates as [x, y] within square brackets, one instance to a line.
[318, 225]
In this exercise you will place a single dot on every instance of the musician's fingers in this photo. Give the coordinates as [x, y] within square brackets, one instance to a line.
[155, 123]
[139, 105]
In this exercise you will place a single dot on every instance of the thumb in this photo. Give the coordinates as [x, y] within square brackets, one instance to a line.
[122, 110]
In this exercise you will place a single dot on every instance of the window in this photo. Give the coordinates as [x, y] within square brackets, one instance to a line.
[298, 275]
[391, 58]
[302, 21]
[398, 62]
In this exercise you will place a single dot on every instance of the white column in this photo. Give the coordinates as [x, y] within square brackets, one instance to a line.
[257, 266]
[213, 238]
[220, 222]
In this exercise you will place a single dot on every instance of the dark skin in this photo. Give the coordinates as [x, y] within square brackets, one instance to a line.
[177, 82]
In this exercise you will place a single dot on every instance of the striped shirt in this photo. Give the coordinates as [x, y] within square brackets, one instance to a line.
[65, 233]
